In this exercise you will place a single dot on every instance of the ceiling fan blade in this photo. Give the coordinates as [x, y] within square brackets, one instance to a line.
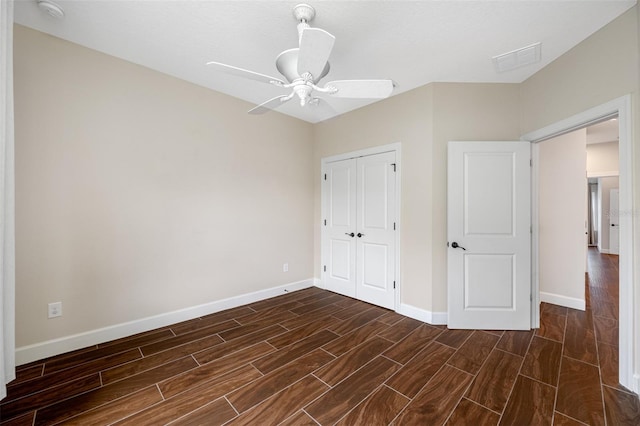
[269, 105]
[366, 89]
[315, 48]
[229, 69]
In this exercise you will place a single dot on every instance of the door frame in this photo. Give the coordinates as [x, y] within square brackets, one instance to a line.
[620, 107]
[393, 147]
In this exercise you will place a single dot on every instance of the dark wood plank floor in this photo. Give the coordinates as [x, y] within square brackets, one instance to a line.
[314, 357]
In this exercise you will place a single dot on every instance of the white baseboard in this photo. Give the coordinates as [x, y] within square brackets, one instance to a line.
[636, 384]
[557, 299]
[435, 318]
[318, 283]
[61, 345]
[603, 251]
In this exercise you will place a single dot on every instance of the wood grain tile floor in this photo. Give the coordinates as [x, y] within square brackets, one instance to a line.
[313, 357]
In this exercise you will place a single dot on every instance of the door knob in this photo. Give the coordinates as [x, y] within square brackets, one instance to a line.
[456, 245]
[360, 235]
[350, 234]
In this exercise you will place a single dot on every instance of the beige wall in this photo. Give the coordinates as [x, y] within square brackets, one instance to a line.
[405, 118]
[601, 68]
[562, 210]
[423, 121]
[463, 112]
[602, 158]
[138, 194]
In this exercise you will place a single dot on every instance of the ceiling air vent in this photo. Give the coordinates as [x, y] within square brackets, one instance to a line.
[517, 58]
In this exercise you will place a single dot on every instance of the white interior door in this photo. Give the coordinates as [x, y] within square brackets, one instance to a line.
[489, 225]
[339, 244]
[614, 223]
[375, 235]
[358, 244]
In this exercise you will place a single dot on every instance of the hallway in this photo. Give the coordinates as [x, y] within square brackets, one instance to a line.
[602, 299]
[592, 337]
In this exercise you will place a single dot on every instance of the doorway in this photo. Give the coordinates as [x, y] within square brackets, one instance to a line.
[621, 108]
[562, 218]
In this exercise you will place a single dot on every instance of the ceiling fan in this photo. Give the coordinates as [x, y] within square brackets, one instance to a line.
[303, 67]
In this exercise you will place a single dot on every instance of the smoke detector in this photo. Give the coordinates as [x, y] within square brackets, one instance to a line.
[51, 9]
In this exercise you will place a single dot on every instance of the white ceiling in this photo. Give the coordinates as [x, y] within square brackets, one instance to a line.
[410, 42]
[607, 131]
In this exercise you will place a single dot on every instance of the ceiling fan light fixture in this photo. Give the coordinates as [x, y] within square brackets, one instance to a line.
[51, 9]
[287, 65]
[304, 93]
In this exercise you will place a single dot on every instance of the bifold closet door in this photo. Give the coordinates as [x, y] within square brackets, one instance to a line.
[375, 244]
[340, 229]
[359, 244]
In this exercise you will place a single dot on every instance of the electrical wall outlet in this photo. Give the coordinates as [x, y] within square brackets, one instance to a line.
[55, 309]
[285, 267]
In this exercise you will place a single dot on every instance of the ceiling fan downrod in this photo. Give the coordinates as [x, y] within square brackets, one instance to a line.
[303, 14]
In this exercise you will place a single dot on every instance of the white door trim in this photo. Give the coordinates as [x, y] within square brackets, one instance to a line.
[622, 108]
[602, 174]
[393, 147]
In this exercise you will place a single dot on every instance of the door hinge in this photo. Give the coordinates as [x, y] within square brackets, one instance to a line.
[394, 284]
[530, 163]
[394, 226]
[325, 176]
[394, 166]
[325, 222]
[530, 229]
[325, 268]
